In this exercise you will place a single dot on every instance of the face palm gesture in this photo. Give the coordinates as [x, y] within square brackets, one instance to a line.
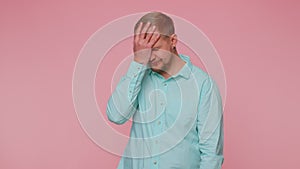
[145, 38]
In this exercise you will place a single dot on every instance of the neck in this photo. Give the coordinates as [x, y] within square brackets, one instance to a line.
[176, 64]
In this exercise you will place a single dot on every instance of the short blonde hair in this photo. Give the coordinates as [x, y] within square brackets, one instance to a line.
[164, 23]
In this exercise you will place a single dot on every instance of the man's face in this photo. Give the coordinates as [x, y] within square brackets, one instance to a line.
[161, 55]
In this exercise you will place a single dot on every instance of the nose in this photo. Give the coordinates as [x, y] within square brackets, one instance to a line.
[152, 57]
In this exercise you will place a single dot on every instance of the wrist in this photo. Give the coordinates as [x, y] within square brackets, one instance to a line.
[140, 61]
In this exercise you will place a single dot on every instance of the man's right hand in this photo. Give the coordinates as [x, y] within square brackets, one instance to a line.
[144, 39]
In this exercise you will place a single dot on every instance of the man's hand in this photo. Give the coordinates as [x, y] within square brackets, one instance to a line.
[144, 40]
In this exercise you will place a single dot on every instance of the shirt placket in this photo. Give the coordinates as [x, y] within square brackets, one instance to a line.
[161, 102]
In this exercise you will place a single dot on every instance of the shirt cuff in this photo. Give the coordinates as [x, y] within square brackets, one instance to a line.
[136, 70]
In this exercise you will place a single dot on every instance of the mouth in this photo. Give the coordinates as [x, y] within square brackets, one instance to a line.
[155, 63]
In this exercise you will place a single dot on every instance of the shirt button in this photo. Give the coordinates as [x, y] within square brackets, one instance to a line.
[158, 122]
[154, 162]
[165, 84]
[161, 103]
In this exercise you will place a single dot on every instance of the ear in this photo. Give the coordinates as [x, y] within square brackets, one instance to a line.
[173, 39]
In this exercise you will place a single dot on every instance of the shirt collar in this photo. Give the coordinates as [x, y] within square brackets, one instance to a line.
[185, 71]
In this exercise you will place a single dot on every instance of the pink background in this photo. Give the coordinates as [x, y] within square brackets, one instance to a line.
[40, 42]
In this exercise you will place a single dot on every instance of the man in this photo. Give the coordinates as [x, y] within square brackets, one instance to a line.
[175, 106]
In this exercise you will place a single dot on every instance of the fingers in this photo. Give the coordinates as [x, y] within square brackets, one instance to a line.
[150, 33]
[138, 31]
[144, 30]
[139, 28]
[146, 35]
[154, 38]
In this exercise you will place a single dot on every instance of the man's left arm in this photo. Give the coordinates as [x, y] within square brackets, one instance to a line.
[210, 126]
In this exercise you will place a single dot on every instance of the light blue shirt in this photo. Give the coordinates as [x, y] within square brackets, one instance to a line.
[177, 122]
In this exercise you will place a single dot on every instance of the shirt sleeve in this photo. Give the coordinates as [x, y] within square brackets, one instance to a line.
[210, 126]
[123, 103]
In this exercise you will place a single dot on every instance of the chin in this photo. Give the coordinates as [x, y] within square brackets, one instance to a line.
[156, 68]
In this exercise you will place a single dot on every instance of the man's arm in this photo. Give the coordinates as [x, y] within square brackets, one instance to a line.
[210, 126]
[123, 102]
